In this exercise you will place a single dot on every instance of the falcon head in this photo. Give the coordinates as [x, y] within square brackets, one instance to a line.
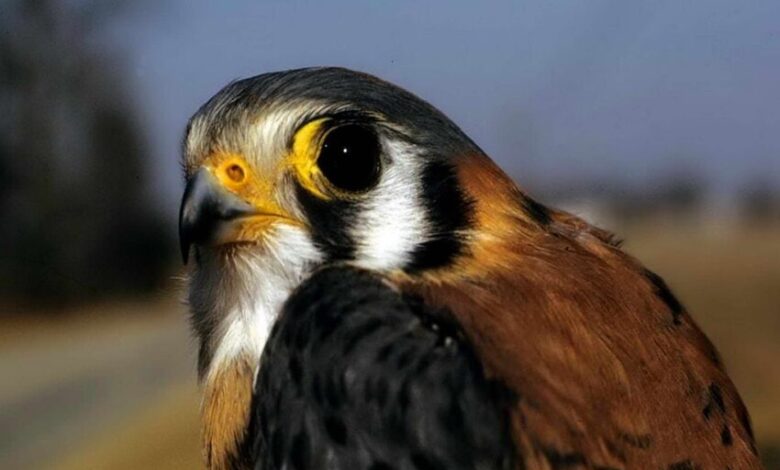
[324, 165]
[294, 170]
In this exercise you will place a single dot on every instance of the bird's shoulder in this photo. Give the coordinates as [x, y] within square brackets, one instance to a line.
[608, 367]
[356, 374]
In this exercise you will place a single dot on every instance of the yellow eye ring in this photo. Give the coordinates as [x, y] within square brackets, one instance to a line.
[303, 156]
[336, 160]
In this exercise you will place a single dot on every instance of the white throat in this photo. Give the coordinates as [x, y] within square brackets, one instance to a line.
[241, 294]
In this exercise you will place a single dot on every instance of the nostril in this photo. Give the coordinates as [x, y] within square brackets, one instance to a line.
[235, 173]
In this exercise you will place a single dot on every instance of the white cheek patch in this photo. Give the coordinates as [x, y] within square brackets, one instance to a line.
[246, 292]
[392, 223]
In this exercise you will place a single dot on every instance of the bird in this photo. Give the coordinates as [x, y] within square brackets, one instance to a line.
[369, 290]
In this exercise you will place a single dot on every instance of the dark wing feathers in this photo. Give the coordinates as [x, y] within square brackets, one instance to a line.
[356, 375]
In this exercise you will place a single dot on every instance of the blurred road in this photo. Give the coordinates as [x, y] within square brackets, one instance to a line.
[64, 385]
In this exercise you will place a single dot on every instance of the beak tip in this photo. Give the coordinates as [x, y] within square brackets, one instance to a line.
[205, 207]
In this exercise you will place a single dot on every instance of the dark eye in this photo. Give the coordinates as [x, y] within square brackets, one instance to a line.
[349, 158]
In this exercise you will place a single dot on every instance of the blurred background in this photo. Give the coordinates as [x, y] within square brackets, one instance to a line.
[657, 120]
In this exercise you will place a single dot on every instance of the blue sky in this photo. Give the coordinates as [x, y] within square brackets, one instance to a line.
[558, 92]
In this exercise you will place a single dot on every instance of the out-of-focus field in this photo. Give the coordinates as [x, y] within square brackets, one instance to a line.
[115, 387]
[109, 386]
[729, 279]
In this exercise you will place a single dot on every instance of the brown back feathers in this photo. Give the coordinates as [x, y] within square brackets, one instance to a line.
[608, 368]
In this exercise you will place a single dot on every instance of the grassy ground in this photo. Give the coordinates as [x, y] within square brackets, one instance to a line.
[729, 278]
[110, 386]
[164, 436]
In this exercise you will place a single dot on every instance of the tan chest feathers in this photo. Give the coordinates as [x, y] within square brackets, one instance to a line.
[225, 412]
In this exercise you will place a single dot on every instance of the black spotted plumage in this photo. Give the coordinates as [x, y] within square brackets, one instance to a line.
[357, 376]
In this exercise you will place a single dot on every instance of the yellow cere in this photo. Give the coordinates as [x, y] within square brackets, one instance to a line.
[235, 175]
[303, 157]
[232, 171]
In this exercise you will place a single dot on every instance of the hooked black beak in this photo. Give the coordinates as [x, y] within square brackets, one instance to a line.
[207, 210]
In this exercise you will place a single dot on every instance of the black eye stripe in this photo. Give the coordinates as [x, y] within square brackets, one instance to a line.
[350, 157]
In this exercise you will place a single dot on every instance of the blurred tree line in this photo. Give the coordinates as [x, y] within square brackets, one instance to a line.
[78, 215]
[681, 193]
